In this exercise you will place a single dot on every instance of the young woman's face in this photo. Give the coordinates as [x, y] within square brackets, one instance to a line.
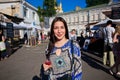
[59, 30]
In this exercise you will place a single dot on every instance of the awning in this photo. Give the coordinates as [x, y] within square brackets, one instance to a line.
[14, 19]
[91, 23]
[107, 13]
[17, 26]
[116, 21]
[24, 25]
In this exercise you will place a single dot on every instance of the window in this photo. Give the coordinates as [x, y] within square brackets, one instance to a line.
[25, 12]
[33, 15]
[83, 18]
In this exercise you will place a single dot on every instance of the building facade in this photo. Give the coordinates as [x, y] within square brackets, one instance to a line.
[22, 9]
[86, 17]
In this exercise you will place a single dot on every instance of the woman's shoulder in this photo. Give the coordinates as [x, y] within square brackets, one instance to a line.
[71, 42]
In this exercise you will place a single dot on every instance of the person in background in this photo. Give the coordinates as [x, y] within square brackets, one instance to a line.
[63, 56]
[39, 38]
[82, 39]
[108, 32]
[2, 46]
[73, 35]
[25, 38]
[91, 34]
[116, 50]
[82, 34]
[43, 36]
[33, 37]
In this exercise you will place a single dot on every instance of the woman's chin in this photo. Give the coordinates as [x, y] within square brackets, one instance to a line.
[59, 39]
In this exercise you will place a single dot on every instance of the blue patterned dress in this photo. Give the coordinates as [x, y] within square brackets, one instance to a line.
[67, 63]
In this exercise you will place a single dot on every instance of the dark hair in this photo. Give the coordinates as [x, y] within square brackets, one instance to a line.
[109, 22]
[53, 39]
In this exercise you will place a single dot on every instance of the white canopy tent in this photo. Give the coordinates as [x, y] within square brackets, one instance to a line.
[116, 21]
[38, 27]
[103, 23]
[17, 26]
[23, 24]
[3, 25]
[33, 26]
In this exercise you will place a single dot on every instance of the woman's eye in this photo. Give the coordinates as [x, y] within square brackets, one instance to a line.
[62, 27]
[55, 27]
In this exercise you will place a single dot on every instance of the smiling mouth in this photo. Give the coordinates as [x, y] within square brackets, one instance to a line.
[59, 35]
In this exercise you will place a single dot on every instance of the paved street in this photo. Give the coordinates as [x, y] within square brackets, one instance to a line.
[25, 63]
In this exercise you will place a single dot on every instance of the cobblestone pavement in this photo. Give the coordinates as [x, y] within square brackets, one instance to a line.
[25, 63]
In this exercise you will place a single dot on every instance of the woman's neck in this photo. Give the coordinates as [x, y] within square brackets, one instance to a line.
[60, 43]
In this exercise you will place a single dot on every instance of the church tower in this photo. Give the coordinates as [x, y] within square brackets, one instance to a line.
[59, 8]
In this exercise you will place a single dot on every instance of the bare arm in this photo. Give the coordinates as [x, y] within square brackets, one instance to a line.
[115, 38]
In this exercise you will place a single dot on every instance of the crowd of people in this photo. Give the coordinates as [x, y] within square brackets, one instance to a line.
[111, 45]
[116, 51]
[36, 37]
[30, 39]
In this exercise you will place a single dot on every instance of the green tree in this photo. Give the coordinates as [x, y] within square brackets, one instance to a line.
[49, 8]
[95, 2]
[40, 14]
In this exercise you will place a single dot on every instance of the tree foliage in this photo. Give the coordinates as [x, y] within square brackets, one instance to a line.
[49, 8]
[95, 2]
[40, 13]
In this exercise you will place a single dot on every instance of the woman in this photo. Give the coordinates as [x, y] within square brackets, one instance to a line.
[63, 54]
[116, 50]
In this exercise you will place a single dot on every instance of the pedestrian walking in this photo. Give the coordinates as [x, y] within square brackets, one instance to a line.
[116, 50]
[108, 32]
[63, 55]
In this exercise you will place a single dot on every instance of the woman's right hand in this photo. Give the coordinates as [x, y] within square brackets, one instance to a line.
[47, 65]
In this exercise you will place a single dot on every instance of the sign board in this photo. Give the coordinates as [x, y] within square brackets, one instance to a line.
[115, 13]
[10, 31]
[86, 44]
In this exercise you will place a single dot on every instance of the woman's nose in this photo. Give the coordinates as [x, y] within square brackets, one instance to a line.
[59, 30]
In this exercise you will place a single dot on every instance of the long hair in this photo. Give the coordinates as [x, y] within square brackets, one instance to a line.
[53, 39]
[117, 29]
